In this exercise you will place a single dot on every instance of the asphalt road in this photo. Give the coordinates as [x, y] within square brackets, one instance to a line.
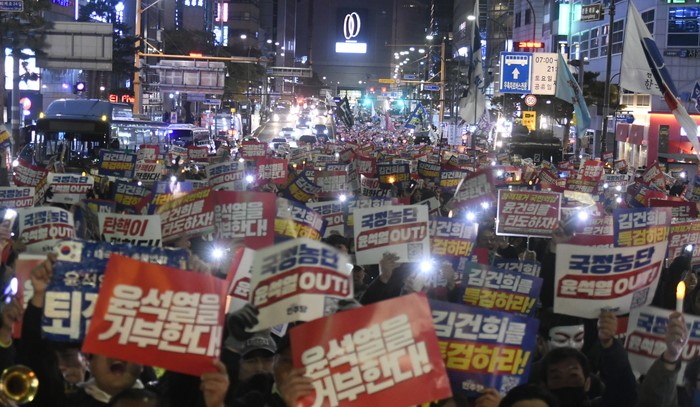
[266, 131]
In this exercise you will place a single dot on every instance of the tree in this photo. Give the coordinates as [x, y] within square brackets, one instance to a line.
[19, 31]
[123, 41]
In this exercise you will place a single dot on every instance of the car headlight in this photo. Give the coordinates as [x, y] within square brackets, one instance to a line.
[325, 131]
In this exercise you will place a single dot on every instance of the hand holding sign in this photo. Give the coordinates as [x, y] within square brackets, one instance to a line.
[41, 276]
[607, 327]
[387, 265]
[294, 387]
[676, 337]
[215, 385]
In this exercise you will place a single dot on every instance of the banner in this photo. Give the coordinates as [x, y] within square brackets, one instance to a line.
[332, 213]
[148, 172]
[645, 341]
[117, 164]
[16, 197]
[298, 280]
[384, 354]
[295, 220]
[681, 235]
[640, 226]
[271, 170]
[68, 188]
[680, 208]
[26, 174]
[484, 348]
[155, 315]
[590, 278]
[228, 176]
[190, 215]
[302, 189]
[247, 216]
[80, 251]
[139, 230]
[451, 238]
[492, 288]
[402, 230]
[42, 227]
[527, 213]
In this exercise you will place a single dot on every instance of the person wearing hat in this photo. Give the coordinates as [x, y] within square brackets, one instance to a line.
[256, 356]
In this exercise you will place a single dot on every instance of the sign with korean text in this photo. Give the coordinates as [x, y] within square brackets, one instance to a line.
[450, 179]
[641, 226]
[475, 188]
[332, 213]
[492, 288]
[544, 73]
[246, 216]
[148, 172]
[527, 213]
[527, 267]
[69, 188]
[396, 351]
[484, 348]
[271, 170]
[645, 341]
[302, 189]
[371, 187]
[390, 174]
[402, 230]
[155, 315]
[198, 154]
[80, 251]
[148, 152]
[680, 236]
[428, 170]
[253, 149]
[228, 176]
[451, 238]
[681, 209]
[516, 72]
[332, 183]
[26, 174]
[298, 280]
[622, 278]
[295, 220]
[360, 202]
[117, 164]
[16, 197]
[42, 227]
[130, 195]
[238, 277]
[190, 215]
[139, 230]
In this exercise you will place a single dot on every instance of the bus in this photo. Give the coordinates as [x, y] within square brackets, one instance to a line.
[186, 135]
[75, 130]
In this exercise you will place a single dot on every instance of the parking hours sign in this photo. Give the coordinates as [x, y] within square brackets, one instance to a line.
[544, 73]
[516, 70]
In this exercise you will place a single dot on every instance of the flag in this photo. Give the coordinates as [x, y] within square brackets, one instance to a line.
[389, 121]
[417, 117]
[644, 71]
[473, 104]
[696, 96]
[567, 89]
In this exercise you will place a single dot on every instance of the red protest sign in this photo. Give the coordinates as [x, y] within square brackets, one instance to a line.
[527, 213]
[156, 315]
[271, 170]
[25, 290]
[246, 215]
[384, 354]
[191, 214]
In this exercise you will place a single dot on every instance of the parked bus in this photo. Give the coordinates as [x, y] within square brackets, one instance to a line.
[185, 135]
[77, 128]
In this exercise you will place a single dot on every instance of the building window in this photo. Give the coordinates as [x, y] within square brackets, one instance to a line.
[683, 26]
[221, 13]
[518, 21]
[618, 34]
[604, 41]
[528, 18]
[648, 18]
[636, 100]
[593, 44]
[584, 44]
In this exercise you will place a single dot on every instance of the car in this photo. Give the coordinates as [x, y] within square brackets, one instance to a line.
[306, 139]
[303, 122]
[287, 132]
[320, 129]
[276, 142]
[251, 138]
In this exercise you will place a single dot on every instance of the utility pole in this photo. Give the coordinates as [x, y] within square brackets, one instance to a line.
[137, 59]
[442, 80]
[606, 94]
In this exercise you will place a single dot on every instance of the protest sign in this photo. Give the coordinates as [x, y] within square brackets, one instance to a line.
[117, 164]
[42, 227]
[475, 188]
[16, 197]
[681, 235]
[155, 315]
[332, 213]
[68, 188]
[402, 230]
[139, 230]
[148, 152]
[372, 188]
[301, 189]
[238, 278]
[390, 174]
[427, 170]
[79, 251]
[365, 165]
[640, 226]
[622, 278]
[130, 196]
[450, 179]
[298, 280]
[295, 220]
[27, 174]
[527, 213]
[332, 183]
[271, 170]
[384, 354]
[353, 203]
[503, 290]
[229, 176]
[148, 172]
[25, 290]
[451, 238]
[484, 348]
[645, 340]
[247, 216]
[680, 208]
[190, 215]
[198, 154]
[166, 191]
[253, 149]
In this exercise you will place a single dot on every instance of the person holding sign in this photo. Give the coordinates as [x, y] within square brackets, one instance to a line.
[659, 386]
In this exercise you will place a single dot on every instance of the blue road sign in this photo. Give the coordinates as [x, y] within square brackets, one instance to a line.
[11, 5]
[409, 77]
[431, 87]
[516, 70]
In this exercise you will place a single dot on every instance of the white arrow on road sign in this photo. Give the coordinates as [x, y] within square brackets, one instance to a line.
[516, 73]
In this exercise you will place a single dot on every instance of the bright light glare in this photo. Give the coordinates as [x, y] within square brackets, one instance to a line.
[173, 179]
[15, 163]
[426, 266]
[485, 205]
[689, 248]
[343, 198]
[217, 253]
[471, 216]
[10, 214]
[582, 216]
[249, 178]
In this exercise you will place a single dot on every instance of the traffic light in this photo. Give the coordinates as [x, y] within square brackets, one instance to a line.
[79, 87]
[384, 89]
[371, 90]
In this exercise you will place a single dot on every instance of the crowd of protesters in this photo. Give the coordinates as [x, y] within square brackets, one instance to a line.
[578, 363]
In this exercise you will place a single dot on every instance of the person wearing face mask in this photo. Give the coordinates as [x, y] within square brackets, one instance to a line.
[659, 386]
[566, 372]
